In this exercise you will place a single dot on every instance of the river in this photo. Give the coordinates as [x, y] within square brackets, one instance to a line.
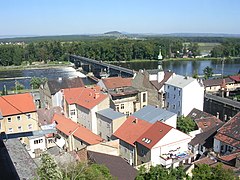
[189, 67]
[24, 76]
[179, 67]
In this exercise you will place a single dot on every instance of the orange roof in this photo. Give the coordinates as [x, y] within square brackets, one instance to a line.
[131, 129]
[83, 96]
[17, 104]
[87, 136]
[154, 134]
[117, 82]
[68, 127]
[65, 125]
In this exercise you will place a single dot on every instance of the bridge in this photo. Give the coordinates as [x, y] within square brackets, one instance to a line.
[101, 67]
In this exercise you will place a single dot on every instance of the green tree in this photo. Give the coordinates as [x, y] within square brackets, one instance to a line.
[84, 170]
[36, 82]
[205, 172]
[185, 124]
[159, 172]
[4, 90]
[208, 72]
[49, 169]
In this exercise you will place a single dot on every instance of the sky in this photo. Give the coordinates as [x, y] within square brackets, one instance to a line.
[65, 17]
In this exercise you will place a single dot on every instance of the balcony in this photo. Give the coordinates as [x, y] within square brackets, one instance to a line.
[169, 159]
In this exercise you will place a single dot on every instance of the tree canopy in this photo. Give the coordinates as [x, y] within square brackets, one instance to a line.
[208, 72]
[185, 124]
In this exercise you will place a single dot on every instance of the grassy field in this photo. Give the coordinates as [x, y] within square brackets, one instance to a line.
[204, 47]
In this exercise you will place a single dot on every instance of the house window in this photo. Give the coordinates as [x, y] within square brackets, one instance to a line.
[127, 113]
[167, 104]
[168, 87]
[117, 108]
[19, 128]
[179, 103]
[9, 119]
[50, 141]
[28, 116]
[144, 97]
[122, 106]
[72, 112]
[179, 93]
[143, 152]
[175, 88]
[174, 106]
[174, 96]
[18, 118]
[108, 125]
[30, 126]
[10, 130]
[108, 138]
[38, 141]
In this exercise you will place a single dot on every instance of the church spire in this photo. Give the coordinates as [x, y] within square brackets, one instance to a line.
[160, 58]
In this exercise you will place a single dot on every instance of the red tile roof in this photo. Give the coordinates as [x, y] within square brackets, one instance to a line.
[17, 104]
[87, 136]
[65, 125]
[154, 134]
[208, 123]
[235, 78]
[117, 82]
[68, 127]
[85, 97]
[131, 129]
[229, 132]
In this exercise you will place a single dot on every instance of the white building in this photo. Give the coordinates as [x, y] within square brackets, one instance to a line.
[36, 145]
[183, 94]
[163, 145]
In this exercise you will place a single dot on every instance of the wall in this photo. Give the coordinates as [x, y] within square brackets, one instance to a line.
[57, 99]
[84, 117]
[45, 96]
[127, 152]
[72, 108]
[24, 123]
[143, 154]
[37, 143]
[78, 144]
[117, 123]
[141, 82]
[172, 121]
[225, 111]
[104, 127]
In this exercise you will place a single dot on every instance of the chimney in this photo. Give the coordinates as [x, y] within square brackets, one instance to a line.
[135, 121]
[96, 95]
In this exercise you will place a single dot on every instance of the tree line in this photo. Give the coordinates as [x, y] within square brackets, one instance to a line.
[108, 50]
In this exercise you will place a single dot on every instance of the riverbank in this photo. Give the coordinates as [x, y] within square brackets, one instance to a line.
[37, 66]
[174, 59]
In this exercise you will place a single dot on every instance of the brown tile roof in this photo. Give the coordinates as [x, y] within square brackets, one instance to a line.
[154, 134]
[85, 97]
[16, 104]
[68, 127]
[56, 85]
[117, 82]
[117, 166]
[231, 156]
[204, 120]
[235, 78]
[45, 115]
[131, 129]
[230, 132]
[159, 85]
[205, 138]
[212, 162]
[208, 123]
[216, 82]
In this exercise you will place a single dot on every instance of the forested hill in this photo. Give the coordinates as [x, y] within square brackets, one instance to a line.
[112, 49]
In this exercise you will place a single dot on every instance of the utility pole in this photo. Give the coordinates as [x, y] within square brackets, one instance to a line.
[223, 59]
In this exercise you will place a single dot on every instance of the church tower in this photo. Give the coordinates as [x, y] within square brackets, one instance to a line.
[160, 58]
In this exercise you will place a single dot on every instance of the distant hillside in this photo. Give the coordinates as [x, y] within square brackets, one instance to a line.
[113, 33]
